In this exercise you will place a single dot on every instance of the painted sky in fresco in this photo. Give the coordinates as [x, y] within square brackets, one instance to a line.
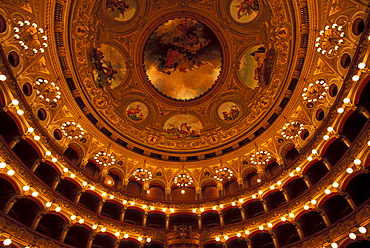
[182, 58]
[247, 69]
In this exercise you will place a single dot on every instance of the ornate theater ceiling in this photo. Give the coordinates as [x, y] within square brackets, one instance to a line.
[179, 95]
[180, 78]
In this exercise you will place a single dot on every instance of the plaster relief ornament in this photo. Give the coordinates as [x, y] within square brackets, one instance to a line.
[182, 59]
[244, 11]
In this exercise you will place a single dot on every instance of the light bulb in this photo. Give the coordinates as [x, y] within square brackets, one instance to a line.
[352, 236]
[361, 65]
[355, 78]
[349, 170]
[334, 245]
[26, 188]
[362, 230]
[357, 162]
[2, 165]
[35, 194]
[7, 242]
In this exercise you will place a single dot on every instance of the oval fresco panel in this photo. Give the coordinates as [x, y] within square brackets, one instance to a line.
[109, 66]
[183, 127]
[137, 111]
[228, 111]
[256, 66]
[182, 59]
[244, 10]
[121, 10]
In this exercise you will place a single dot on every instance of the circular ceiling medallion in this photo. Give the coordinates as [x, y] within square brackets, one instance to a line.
[182, 59]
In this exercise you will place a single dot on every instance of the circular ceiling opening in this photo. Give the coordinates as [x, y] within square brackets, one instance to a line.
[182, 59]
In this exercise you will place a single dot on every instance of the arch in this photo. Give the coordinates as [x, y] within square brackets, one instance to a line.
[51, 225]
[89, 201]
[359, 188]
[295, 187]
[336, 207]
[213, 245]
[112, 210]
[189, 195]
[262, 240]
[134, 187]
[7, 190]
[359, 244]
[26, 152]
[272, 168]
[286, 234]
[316, 171]
[156, 220]
[231, 187]
[47, 173]
[103, 240]
[352, 125]
[77, 236]
[311, 222]
[129, 244]
[68, 188]
[134, 216]
[274, 200]
[334, 151]
[253, 209]
[251, 179]
[210, 219]
[9, 127]
[156, 192]
[232, 215]
[210, 191]
[183, 219]
[363, 95]
[290, 154]
[92, 169]
[25, 211]
[113, 179]
[72, 153]
[237, 243]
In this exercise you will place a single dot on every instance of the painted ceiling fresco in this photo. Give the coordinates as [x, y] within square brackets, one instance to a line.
[183, 58]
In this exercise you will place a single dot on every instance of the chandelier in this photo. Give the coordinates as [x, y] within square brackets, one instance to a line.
[260, 157]
[183, 180]
[329, 39]
[46, 91]
[223, 174]
[291, 130]
[72, 130]
[104, 159]
[315, 91]
[30, 37]
[141, 174]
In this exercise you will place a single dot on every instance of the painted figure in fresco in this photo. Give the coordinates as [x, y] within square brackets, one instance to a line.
[120, 5]
[259, 56]
[247, 7]
[135, 114]
[182, 52]
[232, 114]
[103, 68]
[182, 132]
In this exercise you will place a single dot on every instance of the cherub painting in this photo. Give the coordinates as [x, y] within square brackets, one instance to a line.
[108, 65]
[228, 111]
[183, 127]
[244, 10]
[121, 10]
[137, 111]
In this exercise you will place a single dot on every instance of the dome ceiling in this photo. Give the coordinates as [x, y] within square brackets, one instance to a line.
[181, 77]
